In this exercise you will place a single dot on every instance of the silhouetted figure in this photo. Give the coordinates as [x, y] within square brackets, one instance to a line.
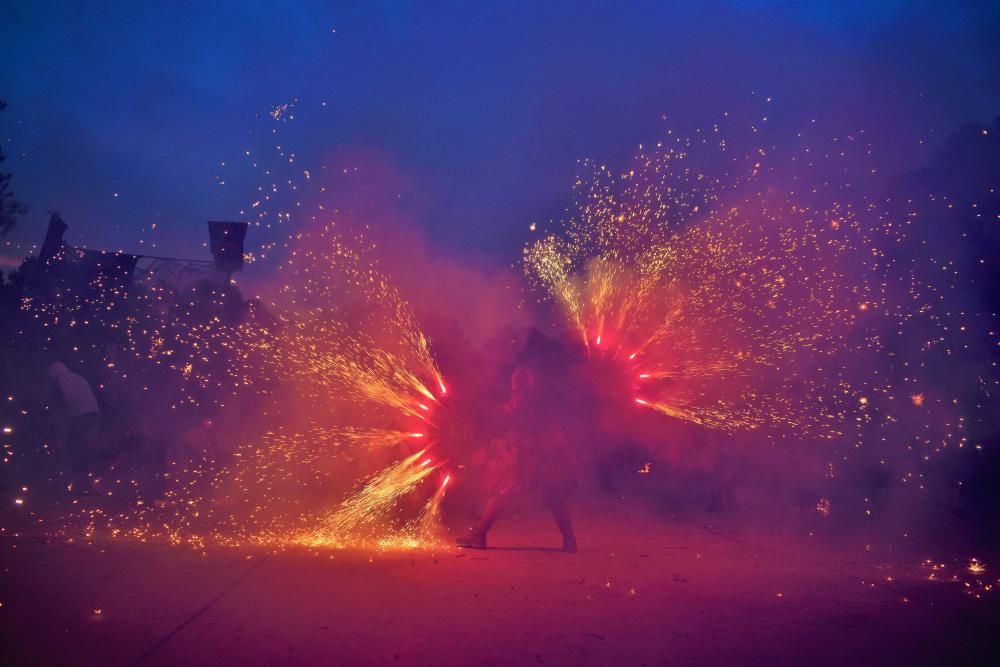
[722, 492]
[85, 415]
[535, 456]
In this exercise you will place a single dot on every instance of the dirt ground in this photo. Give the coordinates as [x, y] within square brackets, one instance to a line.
[690, 588]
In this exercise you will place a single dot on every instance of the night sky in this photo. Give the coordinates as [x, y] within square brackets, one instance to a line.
[120, 116]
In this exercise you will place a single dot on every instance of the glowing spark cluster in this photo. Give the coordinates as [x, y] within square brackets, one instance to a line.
[341, 345]
[725, 295]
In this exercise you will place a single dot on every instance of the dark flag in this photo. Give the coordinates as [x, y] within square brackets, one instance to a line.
[53, 243]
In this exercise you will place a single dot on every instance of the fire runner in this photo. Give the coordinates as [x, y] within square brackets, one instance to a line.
[535, 456]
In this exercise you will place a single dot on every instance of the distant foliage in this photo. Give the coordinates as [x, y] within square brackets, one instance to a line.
[10, 207]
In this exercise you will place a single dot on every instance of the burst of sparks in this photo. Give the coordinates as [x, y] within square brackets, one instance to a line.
[719, 284]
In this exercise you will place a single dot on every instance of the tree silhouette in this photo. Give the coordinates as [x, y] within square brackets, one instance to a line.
[10, 207]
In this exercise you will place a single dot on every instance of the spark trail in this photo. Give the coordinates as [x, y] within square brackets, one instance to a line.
[720, 295]
[343, 349]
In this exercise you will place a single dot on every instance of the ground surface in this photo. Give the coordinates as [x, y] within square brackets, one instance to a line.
[690, 589]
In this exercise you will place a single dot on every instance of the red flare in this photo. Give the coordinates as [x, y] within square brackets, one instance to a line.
[632, 356]
[425, 463]
[447, 478]
[416, 435]
[641, 402]
[444, 389]
[423, 407]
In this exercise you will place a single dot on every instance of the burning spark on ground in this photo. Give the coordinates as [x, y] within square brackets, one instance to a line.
[824, 506]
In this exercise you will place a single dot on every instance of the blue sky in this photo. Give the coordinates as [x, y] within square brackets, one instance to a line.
[481, 109]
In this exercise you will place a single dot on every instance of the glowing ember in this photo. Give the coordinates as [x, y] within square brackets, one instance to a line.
[824, 506]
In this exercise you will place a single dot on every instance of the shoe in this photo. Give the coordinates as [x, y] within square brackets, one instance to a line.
[569, 545]
[472, 541]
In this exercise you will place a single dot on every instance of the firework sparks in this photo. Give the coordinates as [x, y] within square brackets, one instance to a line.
[721, 288]
[976, 567]
[368, 396]
[824, 507]
[367, 508]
